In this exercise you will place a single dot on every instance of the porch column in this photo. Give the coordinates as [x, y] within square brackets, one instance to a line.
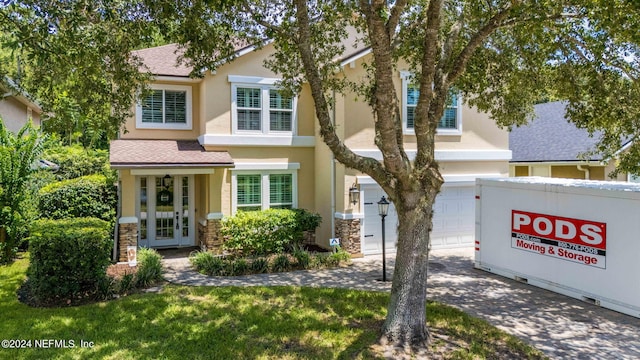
[348, 231]
[209, 233]
[127, 235]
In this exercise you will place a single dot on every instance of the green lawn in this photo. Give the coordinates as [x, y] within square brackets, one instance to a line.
[224, 323]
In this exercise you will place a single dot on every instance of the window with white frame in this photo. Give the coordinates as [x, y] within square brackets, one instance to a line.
[260, 190]
[258, 106]
[450, 123]
[165, 107]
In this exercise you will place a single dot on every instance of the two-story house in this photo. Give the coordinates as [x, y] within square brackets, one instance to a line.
[198, 150]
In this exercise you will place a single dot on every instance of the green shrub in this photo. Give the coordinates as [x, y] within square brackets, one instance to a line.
[281, 263]
[69, 259]
[238, 267]
[259, 265]
[306, 220]
[303, 258]
[149, 268]
[76, 161]
[126, 283]
[87, 196]
[341, 256]
[265, 232]
[209, 264]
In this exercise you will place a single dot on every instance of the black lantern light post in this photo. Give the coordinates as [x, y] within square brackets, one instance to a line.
[383, 208]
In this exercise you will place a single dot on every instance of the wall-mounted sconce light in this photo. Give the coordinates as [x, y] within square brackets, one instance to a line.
[354, 194]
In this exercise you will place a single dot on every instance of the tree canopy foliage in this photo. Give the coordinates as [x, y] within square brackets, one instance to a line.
[75, 58]
[502, 56]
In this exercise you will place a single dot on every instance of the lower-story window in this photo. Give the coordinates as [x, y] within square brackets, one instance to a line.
[258, 190]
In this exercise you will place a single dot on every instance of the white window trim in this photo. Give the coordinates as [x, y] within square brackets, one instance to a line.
[406, 79]
[265, 190]
[187, 126]
[264, 84]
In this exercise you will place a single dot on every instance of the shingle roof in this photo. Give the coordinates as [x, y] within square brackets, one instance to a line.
[165, 153]
[163, 60]
[550, 137]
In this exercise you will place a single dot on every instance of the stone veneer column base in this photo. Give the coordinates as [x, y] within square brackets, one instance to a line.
[348, 230]
[209, 235]
[127, 236]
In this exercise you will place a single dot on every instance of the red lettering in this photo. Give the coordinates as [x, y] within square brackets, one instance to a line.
[569, 230]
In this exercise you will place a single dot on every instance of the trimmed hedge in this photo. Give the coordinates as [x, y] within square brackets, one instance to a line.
[76, 161]
[86, 196]
[68, 260]
[271, 231]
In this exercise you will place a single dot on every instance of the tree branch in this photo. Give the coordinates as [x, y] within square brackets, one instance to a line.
[476, 40]
[394, 18]
[341, 152]
[424, 129]
[384, 98]
[452, 37]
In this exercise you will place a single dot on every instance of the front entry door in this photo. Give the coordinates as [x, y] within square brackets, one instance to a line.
[165, 210]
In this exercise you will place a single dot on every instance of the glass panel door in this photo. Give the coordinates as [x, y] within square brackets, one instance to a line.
[186, 229]
[164, 208]
[143, 213]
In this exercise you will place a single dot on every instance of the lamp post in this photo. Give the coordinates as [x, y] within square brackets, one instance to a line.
[383, 208]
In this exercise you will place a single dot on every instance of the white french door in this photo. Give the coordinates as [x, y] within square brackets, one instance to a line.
[166, 212]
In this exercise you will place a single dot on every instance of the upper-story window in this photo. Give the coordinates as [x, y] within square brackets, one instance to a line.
[451, 121]
[165, 107]
[257, 106]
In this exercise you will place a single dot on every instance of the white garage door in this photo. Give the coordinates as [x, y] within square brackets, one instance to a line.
[453, 222]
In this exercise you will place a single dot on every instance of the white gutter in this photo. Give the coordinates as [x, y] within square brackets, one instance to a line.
[586, 171]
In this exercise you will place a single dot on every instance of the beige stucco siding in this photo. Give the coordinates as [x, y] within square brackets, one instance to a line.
[478, 130]
[15, 114]
[127, 193]
[217, 101]
[305, 157]
[160, 134]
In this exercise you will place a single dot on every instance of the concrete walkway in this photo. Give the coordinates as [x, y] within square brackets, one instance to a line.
[562, 327]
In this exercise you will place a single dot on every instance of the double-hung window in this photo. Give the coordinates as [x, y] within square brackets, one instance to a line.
[258, 106]
[165, 107]
[451, 121]
[260, 190]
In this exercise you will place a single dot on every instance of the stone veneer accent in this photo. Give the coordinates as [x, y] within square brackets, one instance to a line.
[209, 235]
[127, 236]
[348, 230]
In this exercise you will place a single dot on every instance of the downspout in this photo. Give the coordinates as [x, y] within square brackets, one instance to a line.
[333, 174]
[585, 170]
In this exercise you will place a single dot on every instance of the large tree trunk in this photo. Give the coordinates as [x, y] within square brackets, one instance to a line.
[405, 324]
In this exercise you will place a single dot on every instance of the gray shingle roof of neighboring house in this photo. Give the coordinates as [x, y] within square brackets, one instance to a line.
[551, 137]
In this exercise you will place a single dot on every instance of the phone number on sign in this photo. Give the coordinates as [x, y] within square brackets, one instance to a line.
[43, 344]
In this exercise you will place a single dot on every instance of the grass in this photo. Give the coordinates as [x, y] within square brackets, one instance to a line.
[226, 323]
